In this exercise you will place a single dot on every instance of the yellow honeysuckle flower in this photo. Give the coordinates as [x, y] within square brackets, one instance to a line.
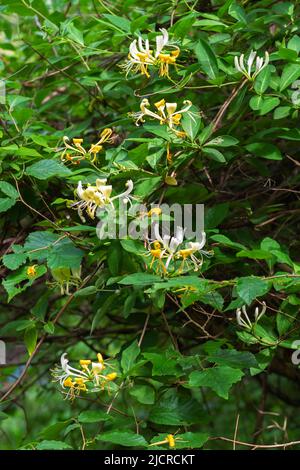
[98, 196]
[110, 377]
[170, 439]
[68, 382]
[76, 152]
[166, 114]
[31, 271]
[167, 249]
[141, 56]
[154, 211]
[76, 380]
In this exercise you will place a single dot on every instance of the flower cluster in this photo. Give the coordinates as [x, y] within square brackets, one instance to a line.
[141, 56]
[167, 249]
[259, 64]
[166, 113]
[92, 197]
[91, 377]
[76, 152]
[243, 319]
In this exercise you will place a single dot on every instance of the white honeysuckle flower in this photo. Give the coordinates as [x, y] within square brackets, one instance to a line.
[91, 374]
[62, 373]
[245, 323]
[243, 319]
[169, 243]
[125, 195]
[166, 114]
[259, 64]
[174, 243]
[258, 314]
[161, 41]
[141, 56]
[76, 152]
[170, 248]
[189, 252]
[96, 197]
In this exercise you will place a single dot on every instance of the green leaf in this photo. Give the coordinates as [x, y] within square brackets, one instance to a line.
[9, 190]
[207, 58]
[74, 33]
[121, 22]
[187, 440]
[264, 150]
[220, 379]
[53, 445]
[264, 104]
[94, 416]
[54, 430]
[6, 203]
[191, 440]
[176, 408]
[254, 254]
[140, 279]
[227, 242]
[233, 358]
[123, 438]
[49, 328]
[214, 154]
[191, 123]
[237, 12]
[30, 339]
[64, 255]
[86, 291]
[282, 112]
[129, 356]
[144, 394]
[14, 260]
[290, 73]
[249, 288]
[46, 169]
[165, 363]
[215, 215]
[14, 285]
[262, 80]
[223, 141]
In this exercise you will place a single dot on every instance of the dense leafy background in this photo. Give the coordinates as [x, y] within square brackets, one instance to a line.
[194, 371]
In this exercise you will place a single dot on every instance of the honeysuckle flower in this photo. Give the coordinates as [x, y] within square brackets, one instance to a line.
[189, 253]
[31, 271]
[165, 58]
[243, 319]
[166, 249]
[64, 372]
[91, 376]
[169, 439]
[141, 56]
[259, 64]
[99, 196]
[166, 114]
[76, 152]
[169, 244]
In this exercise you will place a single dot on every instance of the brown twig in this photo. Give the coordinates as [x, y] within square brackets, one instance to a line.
[255, 446]
[216, 123]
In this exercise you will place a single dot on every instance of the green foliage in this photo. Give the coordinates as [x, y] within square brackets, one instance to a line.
[187, 346]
